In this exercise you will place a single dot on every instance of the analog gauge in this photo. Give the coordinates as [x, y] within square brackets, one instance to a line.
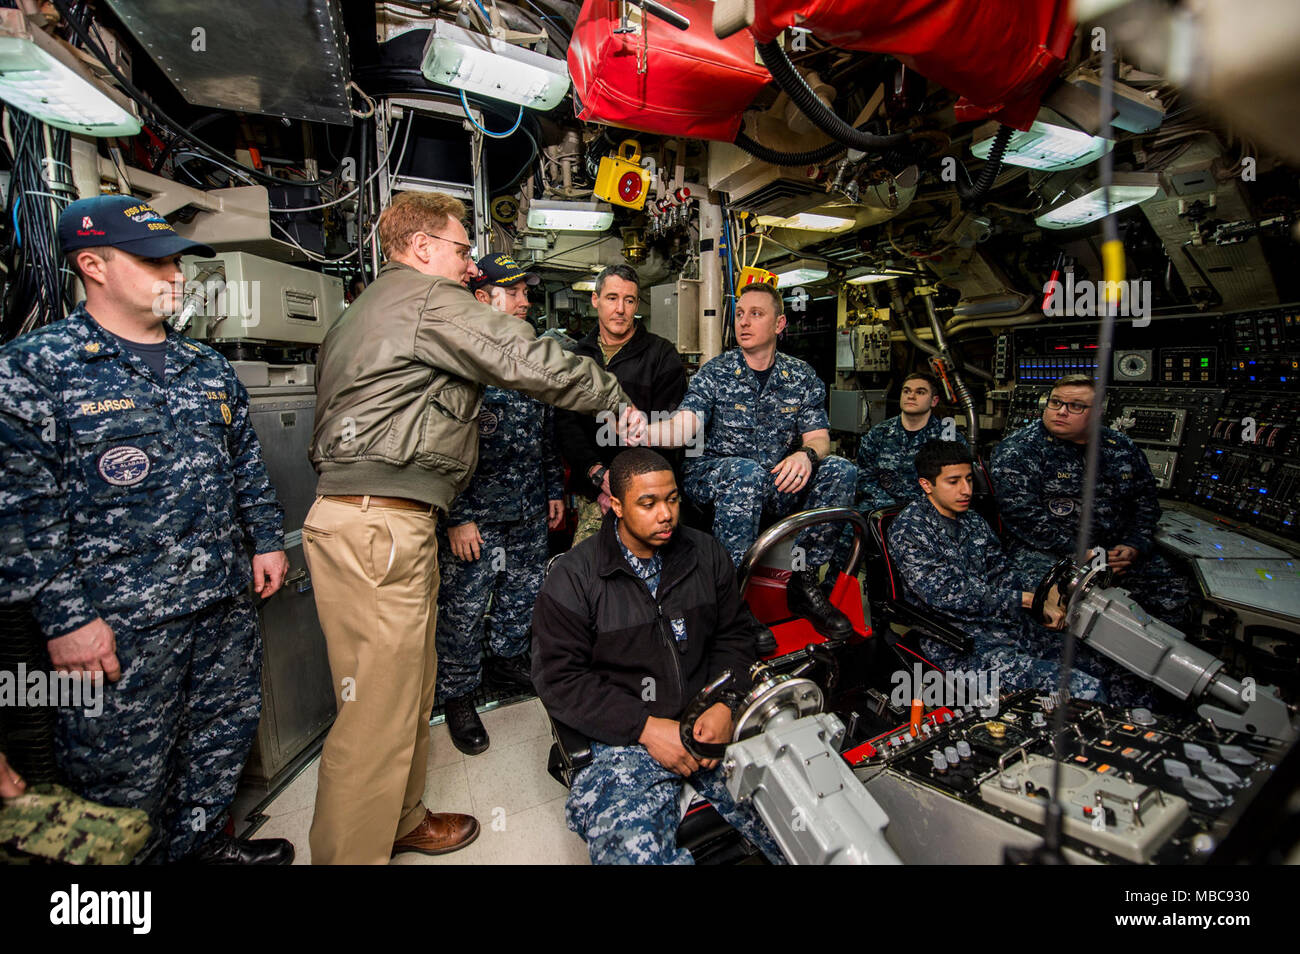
[1133, 365]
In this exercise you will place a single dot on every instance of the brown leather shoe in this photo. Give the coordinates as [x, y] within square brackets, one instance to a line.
[438, 834]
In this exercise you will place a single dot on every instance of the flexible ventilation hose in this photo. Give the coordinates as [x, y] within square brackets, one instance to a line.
[991, 168]
[763, 154]
[822, 116]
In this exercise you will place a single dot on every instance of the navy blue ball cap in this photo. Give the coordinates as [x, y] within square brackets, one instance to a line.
[502, 271]
[125, 222]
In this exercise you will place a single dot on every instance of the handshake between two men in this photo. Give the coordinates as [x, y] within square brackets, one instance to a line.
[681, 429]
[632, 428]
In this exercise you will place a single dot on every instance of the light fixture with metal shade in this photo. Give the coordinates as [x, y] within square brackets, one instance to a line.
[808, 221]
[492, 68]
[871, 274]
[1051, 143]
[42, 75]
[1084, 200]
[588, 284]
[555, 215]
[799, 272]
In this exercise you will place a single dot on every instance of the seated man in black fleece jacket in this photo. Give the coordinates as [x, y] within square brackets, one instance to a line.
[628, 627]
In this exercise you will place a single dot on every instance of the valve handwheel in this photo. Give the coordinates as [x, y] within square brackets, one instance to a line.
[1070, 580]
[772, 695]
[1054, 577]
[704, 700]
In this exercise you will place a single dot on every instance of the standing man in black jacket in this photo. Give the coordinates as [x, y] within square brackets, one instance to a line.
[646, 366]
[628, 628]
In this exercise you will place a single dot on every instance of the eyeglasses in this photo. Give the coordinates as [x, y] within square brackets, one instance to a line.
[1074, 407]
[464, 251]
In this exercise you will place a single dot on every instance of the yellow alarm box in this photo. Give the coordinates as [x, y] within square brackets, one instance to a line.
[750, 275]
[620, 178]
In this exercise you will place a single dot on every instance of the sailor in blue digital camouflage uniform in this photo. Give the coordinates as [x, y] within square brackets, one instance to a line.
[766, 449]
[629, 627]
[495, 546]
[886, 474]
[950, 561]
[1038, 477]
[132, 496]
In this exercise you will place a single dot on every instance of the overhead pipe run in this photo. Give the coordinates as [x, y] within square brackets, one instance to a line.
[998, 311]
[921, 337]
[962, 327]
[959, 385]
[912, 337]
[990, 306]
[980, 314]
[900, 309]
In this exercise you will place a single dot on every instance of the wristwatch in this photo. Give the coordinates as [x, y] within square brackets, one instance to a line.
[598, 479]
[812, 454]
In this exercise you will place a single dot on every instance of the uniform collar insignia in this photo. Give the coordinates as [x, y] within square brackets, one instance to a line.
[779, 363]
[95, 341]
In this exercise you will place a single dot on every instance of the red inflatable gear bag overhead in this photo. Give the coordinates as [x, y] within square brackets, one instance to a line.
[998, 55]
[673, 82]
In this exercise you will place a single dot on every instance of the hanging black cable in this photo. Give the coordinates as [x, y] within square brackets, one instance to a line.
[60, 180]
[821, 115]
[511, 182]
[38, 192]
[362, 197]
[177, 140]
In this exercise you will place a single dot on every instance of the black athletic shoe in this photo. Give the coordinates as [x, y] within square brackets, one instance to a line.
[765, 643]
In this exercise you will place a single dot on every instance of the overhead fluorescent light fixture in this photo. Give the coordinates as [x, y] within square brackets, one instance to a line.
[1050, 143]
[489, 67]
[43, 76]
[588, 284]
[1084, 203]
[555, 215]
[804, 271]
[808, 221]
[1135, 111]
[867, 276]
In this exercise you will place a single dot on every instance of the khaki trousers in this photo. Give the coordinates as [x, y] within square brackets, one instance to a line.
[375, 578]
